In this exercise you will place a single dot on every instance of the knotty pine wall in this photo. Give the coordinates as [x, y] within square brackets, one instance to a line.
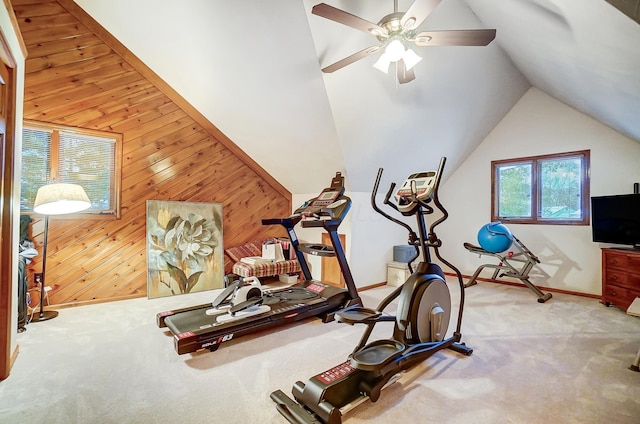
[78, 75]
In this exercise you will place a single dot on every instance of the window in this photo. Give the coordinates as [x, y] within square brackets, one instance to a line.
[88, 158]
[550, 189]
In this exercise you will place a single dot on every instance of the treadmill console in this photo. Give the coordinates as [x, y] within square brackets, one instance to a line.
[327, 197]
[417, 186]
[325, 204]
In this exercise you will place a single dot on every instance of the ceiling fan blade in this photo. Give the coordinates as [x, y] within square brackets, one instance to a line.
[404, 75]
[350, 59]
[418, 12]
[347, 19]
[465, 37]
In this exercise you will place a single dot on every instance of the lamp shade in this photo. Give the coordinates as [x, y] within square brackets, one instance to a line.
[411, 59]
[60, 198]
[382, 64]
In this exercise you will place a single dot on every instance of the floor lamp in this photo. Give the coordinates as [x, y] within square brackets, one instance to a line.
[55, 199]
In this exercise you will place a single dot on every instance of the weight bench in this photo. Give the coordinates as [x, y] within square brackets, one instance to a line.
[505, 269]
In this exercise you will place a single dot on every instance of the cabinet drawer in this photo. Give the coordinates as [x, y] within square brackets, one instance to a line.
[619, 296]
[623, 261]
[622, 278]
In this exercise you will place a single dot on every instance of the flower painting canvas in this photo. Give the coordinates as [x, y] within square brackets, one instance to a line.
[184, 247]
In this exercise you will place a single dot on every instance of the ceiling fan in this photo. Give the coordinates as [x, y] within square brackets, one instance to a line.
[396, 29]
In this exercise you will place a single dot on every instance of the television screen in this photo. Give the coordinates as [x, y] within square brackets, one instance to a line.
[616, 219]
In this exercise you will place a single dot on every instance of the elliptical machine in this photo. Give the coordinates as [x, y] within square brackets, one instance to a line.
[420, 324]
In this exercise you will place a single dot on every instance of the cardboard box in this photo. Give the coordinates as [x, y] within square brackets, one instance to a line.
[286, 278]
[397, 273]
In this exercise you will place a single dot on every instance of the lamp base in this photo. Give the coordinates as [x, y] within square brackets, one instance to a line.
[44, 316]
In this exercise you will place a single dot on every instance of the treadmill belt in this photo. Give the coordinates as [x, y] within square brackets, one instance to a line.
[279, 301]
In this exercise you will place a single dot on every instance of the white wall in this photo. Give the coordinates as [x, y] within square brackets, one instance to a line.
[537, 125]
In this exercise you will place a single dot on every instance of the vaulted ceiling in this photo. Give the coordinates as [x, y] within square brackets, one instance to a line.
[253, 68]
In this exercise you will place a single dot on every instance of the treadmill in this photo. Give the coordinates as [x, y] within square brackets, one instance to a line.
[209, 325]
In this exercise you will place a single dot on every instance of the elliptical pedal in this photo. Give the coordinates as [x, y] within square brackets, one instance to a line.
[292, 410]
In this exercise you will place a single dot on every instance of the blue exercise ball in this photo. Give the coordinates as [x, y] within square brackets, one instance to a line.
[495, 237]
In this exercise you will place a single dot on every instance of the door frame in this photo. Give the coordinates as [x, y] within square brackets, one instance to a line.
[8, 236]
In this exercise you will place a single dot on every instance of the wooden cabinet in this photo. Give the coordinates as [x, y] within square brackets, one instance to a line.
[620, 276]
[330, 272]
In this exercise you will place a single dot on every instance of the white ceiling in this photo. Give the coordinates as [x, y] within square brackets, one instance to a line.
[253, 68]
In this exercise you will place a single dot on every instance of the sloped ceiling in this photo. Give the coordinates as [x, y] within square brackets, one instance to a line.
[253, 68]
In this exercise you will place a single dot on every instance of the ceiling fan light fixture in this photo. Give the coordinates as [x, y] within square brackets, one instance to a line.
[410, 59]
[382, 64]
[396, 29]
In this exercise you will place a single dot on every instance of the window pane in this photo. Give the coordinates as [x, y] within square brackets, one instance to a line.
[546, 189]
[514, 185]
[88, 161]
[560, 195]
[36, 152]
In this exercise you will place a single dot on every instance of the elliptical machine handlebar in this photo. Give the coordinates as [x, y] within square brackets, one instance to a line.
[436, 201]
[415, 201]
[387, 202]
[413, 237]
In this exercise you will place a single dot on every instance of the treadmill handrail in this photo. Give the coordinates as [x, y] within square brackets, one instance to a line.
[288, 222]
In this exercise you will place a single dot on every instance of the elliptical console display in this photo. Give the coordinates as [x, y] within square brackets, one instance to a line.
[417, 186]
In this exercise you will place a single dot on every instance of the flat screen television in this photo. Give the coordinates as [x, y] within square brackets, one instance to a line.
[616, 219]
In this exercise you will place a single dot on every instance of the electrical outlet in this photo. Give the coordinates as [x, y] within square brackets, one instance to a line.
[38, 277]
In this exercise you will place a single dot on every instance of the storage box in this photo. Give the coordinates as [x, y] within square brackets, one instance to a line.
[288, 278]
[397, 273]
[403, 253]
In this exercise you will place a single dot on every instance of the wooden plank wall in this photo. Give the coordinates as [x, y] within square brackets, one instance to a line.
[78, 75]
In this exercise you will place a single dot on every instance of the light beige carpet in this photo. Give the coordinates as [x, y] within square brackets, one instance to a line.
[565, 361]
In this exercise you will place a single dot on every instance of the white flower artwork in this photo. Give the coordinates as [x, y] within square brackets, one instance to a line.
[184, 247]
